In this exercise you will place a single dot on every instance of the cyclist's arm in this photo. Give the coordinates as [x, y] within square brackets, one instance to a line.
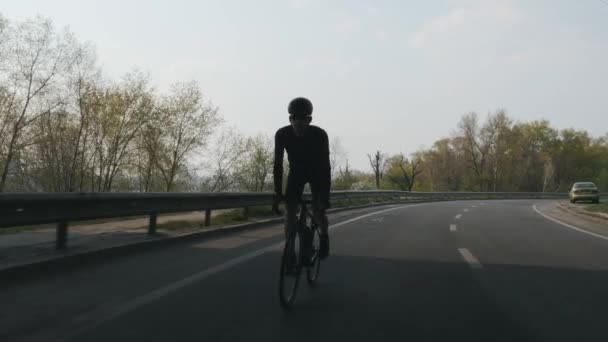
[279, 150]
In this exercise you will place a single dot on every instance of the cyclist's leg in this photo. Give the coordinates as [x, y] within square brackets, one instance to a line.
[320, 197]
[321, 218]
[293, 195]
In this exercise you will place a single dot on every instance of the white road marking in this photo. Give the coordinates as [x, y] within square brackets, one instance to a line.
[452, 227]
[466, 210]
[109, 314]
[470, 258]
[458, 216]
[332, 227]
[474, 206]
[569, 225]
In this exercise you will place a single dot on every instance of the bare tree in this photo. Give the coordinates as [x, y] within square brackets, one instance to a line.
[377, 164]
[495, 140]
[476, 152]
[61, 150]
[344, 179]
[337, 154]
[35, 58]
[6, 121]
[124, 111]
[187, 121]
[3, 38]
[61, 129]
[255, 168]
[85, 94]
[229, 148]
[548, 170]
[148, 143]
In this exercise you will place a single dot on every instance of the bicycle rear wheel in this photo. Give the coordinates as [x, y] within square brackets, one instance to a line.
[289, 278]
[312, 273]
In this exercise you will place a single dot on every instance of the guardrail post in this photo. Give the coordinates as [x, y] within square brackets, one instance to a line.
[207, 217]
[246, 213]
[152, 225]
[62, 236]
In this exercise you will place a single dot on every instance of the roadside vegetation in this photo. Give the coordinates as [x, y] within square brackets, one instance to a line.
[598, 208]
[66, 127]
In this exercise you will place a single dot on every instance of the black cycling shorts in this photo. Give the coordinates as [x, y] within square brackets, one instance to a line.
[319, 188]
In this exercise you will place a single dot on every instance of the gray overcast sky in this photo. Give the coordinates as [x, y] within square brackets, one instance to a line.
[388, 75]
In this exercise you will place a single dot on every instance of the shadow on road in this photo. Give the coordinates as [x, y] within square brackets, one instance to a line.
[367, 299]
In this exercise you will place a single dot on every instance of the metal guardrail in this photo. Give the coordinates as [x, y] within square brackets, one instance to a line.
[19, 209]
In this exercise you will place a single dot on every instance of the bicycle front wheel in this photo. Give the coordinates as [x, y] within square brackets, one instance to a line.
[289, 275]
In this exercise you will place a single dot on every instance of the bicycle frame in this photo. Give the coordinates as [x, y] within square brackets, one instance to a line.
[302, 218]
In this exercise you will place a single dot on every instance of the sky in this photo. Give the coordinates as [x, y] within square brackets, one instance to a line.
[386, 75]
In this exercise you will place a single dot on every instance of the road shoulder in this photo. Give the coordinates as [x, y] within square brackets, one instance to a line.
[573, 215]
[583, 211]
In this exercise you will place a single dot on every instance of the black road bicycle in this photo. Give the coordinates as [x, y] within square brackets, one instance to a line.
[289, 277]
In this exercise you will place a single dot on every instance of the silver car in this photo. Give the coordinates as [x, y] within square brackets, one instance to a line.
[584, 191]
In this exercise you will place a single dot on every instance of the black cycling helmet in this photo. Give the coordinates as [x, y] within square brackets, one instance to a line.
[300, 107]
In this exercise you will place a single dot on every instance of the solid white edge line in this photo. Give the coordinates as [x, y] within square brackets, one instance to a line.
[470, 258]
[453, 228]
[174, 286]
[568, 225]
[333, 226]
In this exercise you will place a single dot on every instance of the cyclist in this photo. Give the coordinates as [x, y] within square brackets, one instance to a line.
[307, 149]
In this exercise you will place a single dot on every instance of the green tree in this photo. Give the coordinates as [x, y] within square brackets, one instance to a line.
[400, 172]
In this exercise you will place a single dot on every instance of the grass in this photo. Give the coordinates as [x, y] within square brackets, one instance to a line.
[236, 216]
[13, 230]
[230, 217]
[598, 208]
[180, 225]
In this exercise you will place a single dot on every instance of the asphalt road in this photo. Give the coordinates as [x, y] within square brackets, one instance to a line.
[461, 271]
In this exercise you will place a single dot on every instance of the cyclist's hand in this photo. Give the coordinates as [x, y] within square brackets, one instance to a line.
[277, 199]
